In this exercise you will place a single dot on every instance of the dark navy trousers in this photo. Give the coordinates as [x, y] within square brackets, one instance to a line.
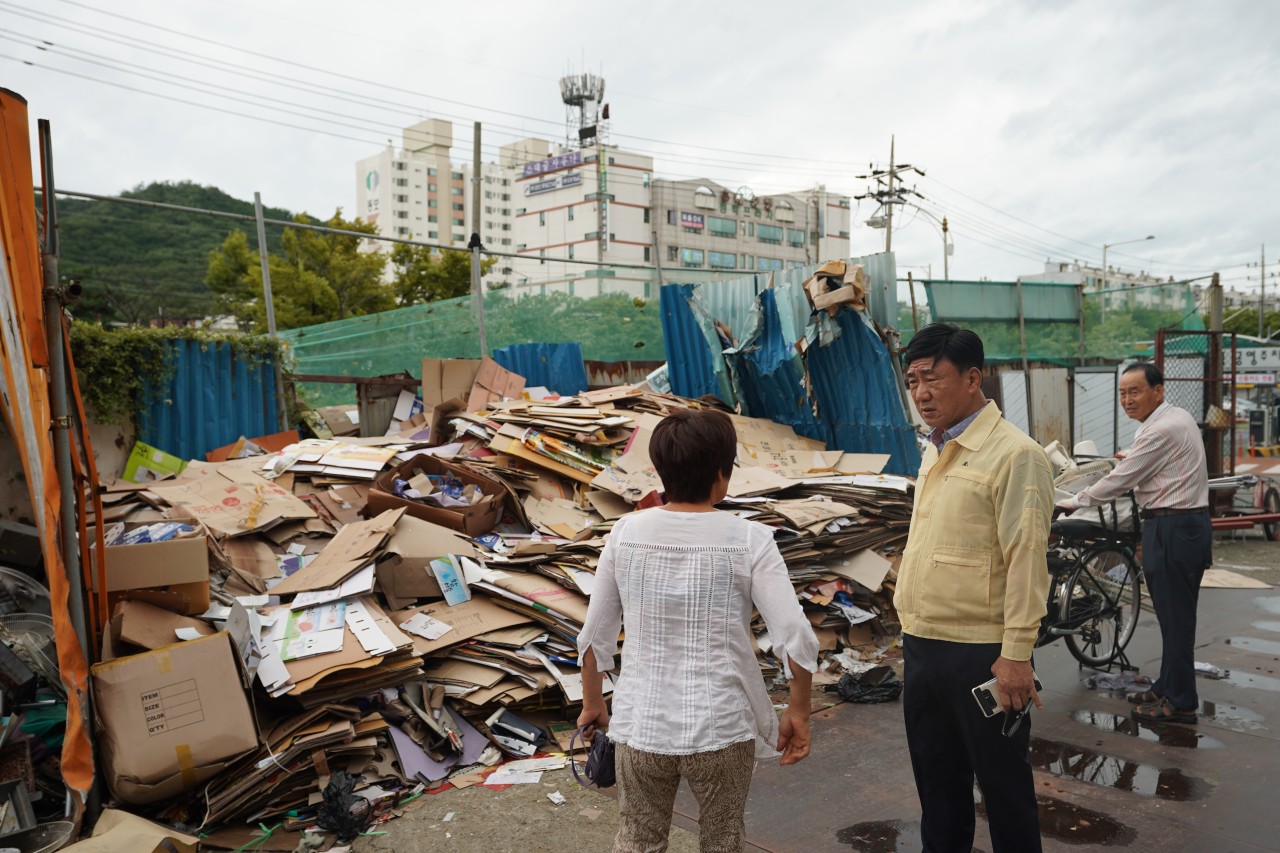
[952, 743]
[1176, 550]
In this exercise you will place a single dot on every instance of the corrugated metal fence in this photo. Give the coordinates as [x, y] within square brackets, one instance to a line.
[214, 396]
[851, 401]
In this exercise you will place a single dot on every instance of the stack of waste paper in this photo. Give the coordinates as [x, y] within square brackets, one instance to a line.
[318, 619]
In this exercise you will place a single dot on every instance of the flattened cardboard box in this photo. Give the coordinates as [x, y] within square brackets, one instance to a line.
[171, 719]
[474, 520]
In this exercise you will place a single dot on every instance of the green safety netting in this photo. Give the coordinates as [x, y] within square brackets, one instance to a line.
[611, 327]
[1117, 323]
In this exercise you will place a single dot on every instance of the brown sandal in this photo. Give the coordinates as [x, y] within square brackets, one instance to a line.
[1163, 712]
[1145, 697]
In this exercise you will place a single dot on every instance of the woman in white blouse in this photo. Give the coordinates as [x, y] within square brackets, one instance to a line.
[690, 701]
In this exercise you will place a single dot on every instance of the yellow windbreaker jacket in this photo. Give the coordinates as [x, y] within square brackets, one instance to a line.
[974, 569]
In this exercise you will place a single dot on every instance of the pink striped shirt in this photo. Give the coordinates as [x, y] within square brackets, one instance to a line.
[1165, 469]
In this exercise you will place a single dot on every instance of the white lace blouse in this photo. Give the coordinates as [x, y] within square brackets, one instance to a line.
[682, 584]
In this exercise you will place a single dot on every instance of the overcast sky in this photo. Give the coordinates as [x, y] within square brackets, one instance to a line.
[1045, 128]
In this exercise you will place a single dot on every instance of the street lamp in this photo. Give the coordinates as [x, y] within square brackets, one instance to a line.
[1106, 246]
[948, 247]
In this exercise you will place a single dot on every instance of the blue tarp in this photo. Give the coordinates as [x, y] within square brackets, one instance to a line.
[854, 403]
[212, 398]
[557, 367]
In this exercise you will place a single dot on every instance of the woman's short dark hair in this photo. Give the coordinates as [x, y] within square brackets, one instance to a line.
[961, 347]
[1149, 372]
[689, 448]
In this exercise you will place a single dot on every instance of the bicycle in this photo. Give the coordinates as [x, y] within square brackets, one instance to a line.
[1095, 593]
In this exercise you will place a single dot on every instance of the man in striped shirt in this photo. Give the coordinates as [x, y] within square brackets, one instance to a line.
[1166, 471]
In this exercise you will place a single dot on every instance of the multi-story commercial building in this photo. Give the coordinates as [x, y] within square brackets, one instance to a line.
[703, 225]
[580, 204]
[419, 193]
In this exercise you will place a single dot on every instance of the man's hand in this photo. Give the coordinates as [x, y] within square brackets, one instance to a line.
[1068, 504]
[793, 736]
[1015, 684]
[595, 718]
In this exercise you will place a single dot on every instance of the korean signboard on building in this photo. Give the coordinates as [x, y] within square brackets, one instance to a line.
[696, 221]
[551, 164]
[546, 185]
[1254, 358]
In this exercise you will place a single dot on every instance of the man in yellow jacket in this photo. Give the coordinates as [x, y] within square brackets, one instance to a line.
[971, 593]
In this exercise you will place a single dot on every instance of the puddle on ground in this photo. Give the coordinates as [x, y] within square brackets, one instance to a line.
[1267, 626]
[1108, 771]
[1253, 681]
[1165, 734]
[1269, 604]
[1232, 716]
[1251, 644]
[882, 836]
[1072, 824]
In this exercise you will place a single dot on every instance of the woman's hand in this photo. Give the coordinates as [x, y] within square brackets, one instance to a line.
[595, 718]
[793, 736]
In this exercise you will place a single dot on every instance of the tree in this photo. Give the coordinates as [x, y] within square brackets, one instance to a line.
[317, 278]
[353, 275]
[423, 275]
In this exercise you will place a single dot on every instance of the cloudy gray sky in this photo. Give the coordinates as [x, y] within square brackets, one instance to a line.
[1045, 128]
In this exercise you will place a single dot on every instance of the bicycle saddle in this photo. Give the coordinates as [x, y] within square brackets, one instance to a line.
[1078, 528]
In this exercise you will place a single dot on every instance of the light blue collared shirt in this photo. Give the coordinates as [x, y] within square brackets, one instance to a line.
[940, 437]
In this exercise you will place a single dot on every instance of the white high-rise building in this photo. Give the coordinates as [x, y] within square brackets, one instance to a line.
[419, 193]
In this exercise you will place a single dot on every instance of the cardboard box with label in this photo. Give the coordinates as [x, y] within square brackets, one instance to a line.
[173, 574]
[146, 464]
[474, 520]
[171, 718]
[404, 570]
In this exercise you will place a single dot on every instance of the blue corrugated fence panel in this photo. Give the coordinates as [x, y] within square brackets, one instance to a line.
[772, 379]
[212, 398]
[690, 367]
[857, 393]
[558, 367]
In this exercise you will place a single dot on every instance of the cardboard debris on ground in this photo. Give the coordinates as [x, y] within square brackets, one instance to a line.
[399, 639]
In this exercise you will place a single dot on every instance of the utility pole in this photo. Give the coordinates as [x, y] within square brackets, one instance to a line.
[889, 191]
[477, 288]
[888, 229]
[946, 252]
[1262, 290]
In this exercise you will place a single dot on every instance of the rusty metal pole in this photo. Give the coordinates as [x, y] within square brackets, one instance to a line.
[1213, 436]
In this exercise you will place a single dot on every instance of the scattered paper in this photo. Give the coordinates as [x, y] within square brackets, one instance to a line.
[449, 576]
[557, 798]
[314, 631]
[426, 627]
[371, 637]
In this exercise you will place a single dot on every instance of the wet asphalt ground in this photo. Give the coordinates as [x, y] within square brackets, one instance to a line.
[1102, 780]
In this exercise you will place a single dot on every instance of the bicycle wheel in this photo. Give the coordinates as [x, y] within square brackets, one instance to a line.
[1103, 598]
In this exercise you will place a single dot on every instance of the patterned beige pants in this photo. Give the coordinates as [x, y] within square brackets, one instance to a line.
[647, 783]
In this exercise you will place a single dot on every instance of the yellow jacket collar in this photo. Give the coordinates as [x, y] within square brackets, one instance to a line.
[977, 433]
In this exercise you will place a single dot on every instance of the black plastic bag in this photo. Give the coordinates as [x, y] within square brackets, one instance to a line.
[876, 685]
[342, 811]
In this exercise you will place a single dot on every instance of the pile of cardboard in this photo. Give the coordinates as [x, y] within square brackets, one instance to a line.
[315, 614]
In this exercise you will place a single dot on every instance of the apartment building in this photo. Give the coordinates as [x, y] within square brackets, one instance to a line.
[1122, 288]
[418, 192]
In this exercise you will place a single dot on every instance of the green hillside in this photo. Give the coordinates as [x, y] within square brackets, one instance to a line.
[138, 264]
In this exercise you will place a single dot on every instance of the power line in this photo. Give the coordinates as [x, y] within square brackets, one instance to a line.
[402, 90]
